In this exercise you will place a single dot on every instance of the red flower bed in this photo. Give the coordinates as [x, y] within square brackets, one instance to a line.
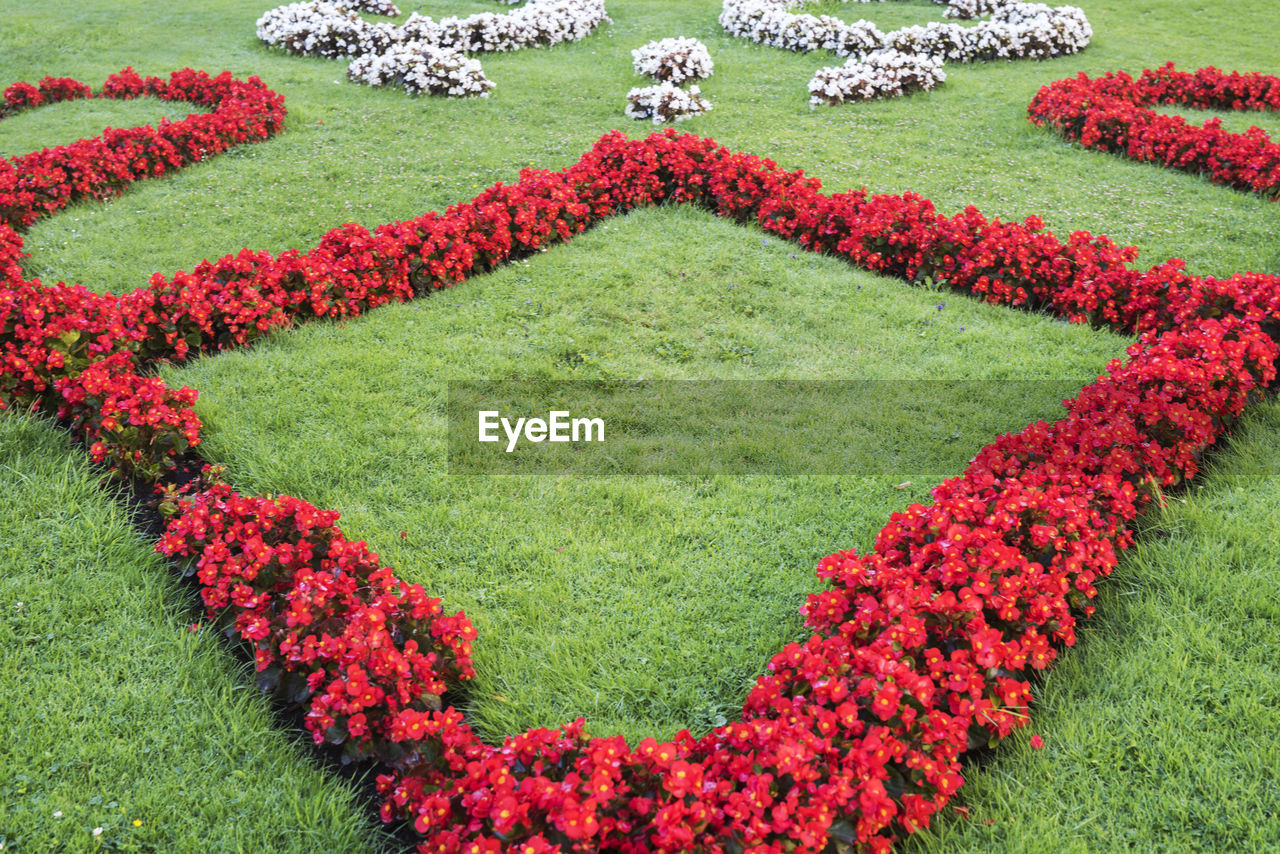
[1112, 114]
[45, 181]
[51, 336]
[921, 649]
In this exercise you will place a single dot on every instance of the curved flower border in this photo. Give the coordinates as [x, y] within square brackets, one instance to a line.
[922, 647]
[423, 55]
[1016, 30]
[1112, 113]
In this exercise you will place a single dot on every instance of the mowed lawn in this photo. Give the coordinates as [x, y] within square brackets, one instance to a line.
[644, 604]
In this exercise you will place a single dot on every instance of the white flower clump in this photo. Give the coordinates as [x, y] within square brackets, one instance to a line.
[374, 7]
[1016, 30]
[880, 74]
[673, 60]
[770, 22]
[334, 29]
[666, 102]
[422, 69]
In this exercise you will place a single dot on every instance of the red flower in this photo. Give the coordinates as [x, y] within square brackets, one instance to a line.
[682, 778]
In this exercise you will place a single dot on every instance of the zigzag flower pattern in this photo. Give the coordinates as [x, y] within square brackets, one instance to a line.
[922, 648]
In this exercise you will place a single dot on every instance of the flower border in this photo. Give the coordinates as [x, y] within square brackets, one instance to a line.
[922, 647]
[885, 73]
[72, 352]
[1017, 30]
[1112, 113]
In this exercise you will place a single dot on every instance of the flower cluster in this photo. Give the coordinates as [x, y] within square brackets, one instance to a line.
[1113, 113]
[423, 54]
[374, 7]
[666, 102]
[880, 74]
[673, 60]
[65, 349]
[969, 8]
[51, 90]
[133, 424]
[922, 648]
[1016, 30]
[422, 68]
[333, 630]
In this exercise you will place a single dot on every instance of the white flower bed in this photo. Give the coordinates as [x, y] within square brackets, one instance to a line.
[666, 102]
[673, 60]
[1016, 30]
[334, 29]
[422, 69]
[881, 74]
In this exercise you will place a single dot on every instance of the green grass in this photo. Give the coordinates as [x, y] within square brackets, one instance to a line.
[703, 575]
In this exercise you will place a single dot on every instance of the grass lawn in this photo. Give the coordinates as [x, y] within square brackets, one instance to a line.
[644, 604]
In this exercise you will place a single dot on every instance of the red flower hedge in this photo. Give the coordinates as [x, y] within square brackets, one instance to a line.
[50, 335]
[1112, 114]
[328, 623]
[45, 181]
[921, 648]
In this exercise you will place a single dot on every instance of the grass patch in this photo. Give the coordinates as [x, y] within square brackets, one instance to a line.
[68, 121]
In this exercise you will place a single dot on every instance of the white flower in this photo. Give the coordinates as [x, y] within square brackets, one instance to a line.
[674, 60]
[422, 68]
[880, 74]
[374, 7]
[1016, 30]
[666, 102]
[382, 53]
